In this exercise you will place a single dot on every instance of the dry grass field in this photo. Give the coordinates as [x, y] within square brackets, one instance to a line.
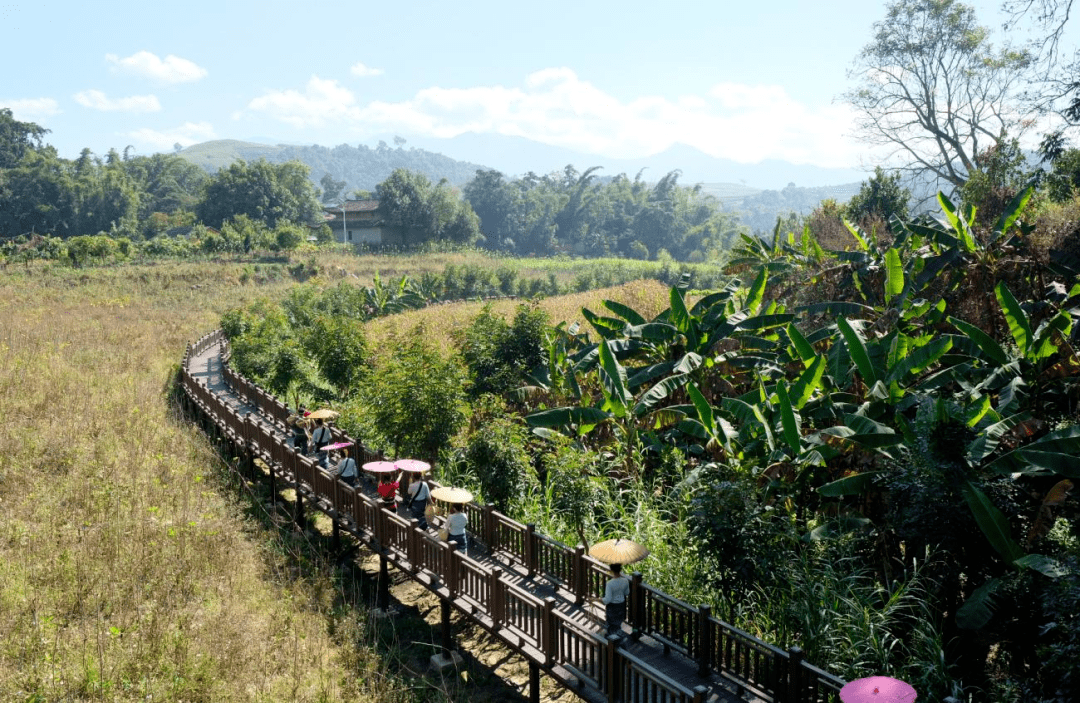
[128, 569]
[125, 572]
[441, 322]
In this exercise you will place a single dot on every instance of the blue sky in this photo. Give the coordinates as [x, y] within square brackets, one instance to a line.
[747, 81]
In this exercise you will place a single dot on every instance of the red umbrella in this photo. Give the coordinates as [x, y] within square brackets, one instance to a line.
[337, 445]
[412, 465]
[877, 689]
[380, 467]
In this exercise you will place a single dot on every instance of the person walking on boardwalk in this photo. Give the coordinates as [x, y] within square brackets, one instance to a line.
[418, 498]
[616, 592]
[456, 522]
[388, 491]
[320, 438]
[346, 469]
[299, 432]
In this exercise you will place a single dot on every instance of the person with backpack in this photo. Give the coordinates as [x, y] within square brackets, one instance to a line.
[319, 439]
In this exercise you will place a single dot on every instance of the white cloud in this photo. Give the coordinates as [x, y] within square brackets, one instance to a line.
[171, 69]
[186, 134]
[31, 108]
[97, 100]
[359, 69]
[321, 102]
[746, 123]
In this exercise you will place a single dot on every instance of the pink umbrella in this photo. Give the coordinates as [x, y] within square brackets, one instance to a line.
[337, 445]
[380, 467]
[412, 465]
[877, 689]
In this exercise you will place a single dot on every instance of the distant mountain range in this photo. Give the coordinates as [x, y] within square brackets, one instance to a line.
[738, 186]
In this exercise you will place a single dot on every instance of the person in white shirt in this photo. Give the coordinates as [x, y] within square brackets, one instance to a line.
[319, 439]
[418, 498]
[456, 523]
[346, 470]
[616, 593]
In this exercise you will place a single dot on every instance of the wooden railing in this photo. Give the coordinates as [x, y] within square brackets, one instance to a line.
[529, 623]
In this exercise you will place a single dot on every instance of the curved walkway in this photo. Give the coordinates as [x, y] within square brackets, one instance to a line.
[537, 596]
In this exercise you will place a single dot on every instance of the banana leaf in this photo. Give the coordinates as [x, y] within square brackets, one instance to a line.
[983, 341]
[1019, 326]
[977, 610]
[857, 348]
[653, 398]
[992, 522]
[613, 381]
[625, 312]
[564, 417]
[848, 486]
[894, 275]
[788, 421]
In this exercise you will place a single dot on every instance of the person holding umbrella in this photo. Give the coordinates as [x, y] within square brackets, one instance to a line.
[615, 553]
[616, 591]
[418, 498]
[388, 491]
[456, 522]
[299, 432]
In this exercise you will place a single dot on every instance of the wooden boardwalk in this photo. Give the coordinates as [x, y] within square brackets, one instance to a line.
[539, 597]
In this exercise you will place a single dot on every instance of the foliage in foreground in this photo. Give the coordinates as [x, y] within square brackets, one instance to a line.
[862, 451]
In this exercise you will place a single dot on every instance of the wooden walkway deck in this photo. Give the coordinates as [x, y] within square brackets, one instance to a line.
[539, 597]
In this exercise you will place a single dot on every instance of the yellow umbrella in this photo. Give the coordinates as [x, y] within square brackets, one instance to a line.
[447, 494]
[324, 414]
[618, 551]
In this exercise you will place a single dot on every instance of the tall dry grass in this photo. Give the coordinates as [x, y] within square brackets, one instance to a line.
[125, 574]
[442, 322]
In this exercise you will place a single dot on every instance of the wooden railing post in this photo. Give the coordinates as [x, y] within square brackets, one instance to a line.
[378, 530]
[700, 692]
[549, 642]
[580, 582]
[295, 461]
[614, 670]
[704, 641]
[530, 549]
[489, 528]
[450, 577]
[413, 544]
[794, 676]
[637, 604]
[249, 454]
[498, 614]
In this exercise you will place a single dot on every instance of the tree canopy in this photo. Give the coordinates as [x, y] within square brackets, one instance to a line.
[262, 191]
[935, 91]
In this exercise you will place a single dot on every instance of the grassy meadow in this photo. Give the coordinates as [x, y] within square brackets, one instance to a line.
[128, 569]
[125, 572]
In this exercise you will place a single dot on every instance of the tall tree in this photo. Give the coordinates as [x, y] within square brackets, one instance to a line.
[880, 196]
[425, 211]
[934, 90]
[263, 191]
[17, 137]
